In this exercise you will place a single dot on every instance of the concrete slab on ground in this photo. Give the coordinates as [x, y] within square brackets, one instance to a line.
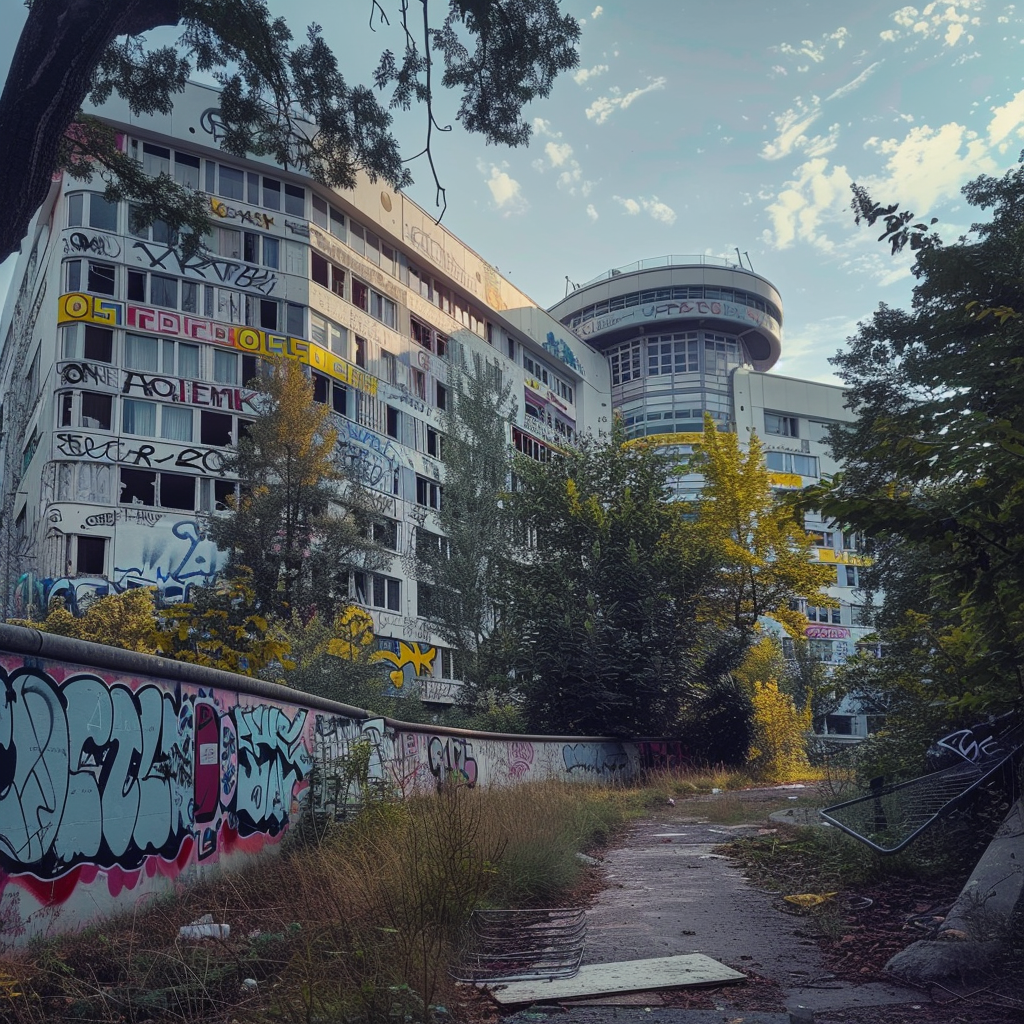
[627, 976]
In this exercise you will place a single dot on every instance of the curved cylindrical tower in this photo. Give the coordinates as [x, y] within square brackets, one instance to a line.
[673, 329]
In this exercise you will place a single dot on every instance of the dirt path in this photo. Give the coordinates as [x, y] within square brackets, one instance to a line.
[668, 892]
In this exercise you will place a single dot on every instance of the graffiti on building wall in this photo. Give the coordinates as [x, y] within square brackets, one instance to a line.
[98, 244]
[221, 209]
[409, 660]
[205, 267]
[559, 348]
[142, 454]
[697, 307]
[370, 458]
[75, 306]
[189, 392]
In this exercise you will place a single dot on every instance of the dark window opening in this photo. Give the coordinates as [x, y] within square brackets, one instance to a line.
[215, 428]
[101, 278]
[432, 443]
[178, 491]
[360, 294]
[92, 555]
[250, 368]
[223, 492]
[385, 533]
[442, 396]
[99, 344]
[97, 410]
[268, 314]
[392, 422]
[339, 399]
[319, 273]
[361, 352]
[321, 386]
[138, 487]
[136, 286]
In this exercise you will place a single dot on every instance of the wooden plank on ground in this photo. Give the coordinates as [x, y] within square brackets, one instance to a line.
[628, 976]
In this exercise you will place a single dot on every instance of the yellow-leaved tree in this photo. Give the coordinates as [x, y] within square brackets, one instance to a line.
[764, 549]
[126, 620]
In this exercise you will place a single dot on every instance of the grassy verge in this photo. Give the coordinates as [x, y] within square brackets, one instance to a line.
[357, 926]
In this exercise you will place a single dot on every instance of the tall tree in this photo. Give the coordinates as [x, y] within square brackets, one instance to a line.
[300, 525]
[934, 466]
[289, 102]
[601, 611]
[461, 574]
[764, 550]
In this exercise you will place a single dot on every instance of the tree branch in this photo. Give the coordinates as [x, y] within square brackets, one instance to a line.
[61, 44]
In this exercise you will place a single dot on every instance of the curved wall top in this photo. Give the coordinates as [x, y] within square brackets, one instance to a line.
[655, 293]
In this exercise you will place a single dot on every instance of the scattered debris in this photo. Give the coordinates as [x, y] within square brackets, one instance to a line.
[204, 928]
[810, 899]
[522, 946]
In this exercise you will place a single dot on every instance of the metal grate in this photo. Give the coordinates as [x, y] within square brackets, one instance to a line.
[522, 945]
[891, 816]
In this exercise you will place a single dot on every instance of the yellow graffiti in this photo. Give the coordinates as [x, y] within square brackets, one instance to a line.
[785, 480]
[355, 633]
[410, 661]
[842, 557]
[76, 306]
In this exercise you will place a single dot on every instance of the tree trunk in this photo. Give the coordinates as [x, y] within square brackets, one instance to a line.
[49, 78]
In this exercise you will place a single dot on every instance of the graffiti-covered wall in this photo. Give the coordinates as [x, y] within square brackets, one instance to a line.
[122, 773]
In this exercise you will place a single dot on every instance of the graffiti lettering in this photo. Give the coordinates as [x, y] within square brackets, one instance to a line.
[970, 745]
[560, 350]
[209, 268]
[85, 446]
[450, 757]
[98, 245]
[598, 758]
[221, 209]
[296, 227]
[88, 373]
[188, 392]
[435, 251]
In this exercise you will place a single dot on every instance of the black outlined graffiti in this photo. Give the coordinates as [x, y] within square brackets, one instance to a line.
[88, 373]
[209, 268]
[101, 774]
[95, 245]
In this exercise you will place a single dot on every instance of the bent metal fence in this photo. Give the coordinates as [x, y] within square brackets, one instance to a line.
[892, 815]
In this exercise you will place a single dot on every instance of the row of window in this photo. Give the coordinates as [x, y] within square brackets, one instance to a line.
[544, 415]
[272, 194]
[680, 293]
[547, 377]
[673, 353]
[169, 421]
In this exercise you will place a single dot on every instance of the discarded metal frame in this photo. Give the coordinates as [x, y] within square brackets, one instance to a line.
[892, 816]
[522, 945]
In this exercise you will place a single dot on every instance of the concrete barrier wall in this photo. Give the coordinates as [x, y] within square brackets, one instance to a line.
[123, 774]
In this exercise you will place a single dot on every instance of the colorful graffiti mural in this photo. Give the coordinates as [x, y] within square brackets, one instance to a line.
[115, 782]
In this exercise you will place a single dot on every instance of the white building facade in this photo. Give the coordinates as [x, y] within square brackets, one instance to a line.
[124, 364]
[689, 335]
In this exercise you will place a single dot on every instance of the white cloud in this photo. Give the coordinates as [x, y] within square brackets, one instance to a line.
[930, 165]
[1006, 122]
[814, 51]
[948, 21]
[542, 127]
[604, 106]
[585, 74]
[558, 152]
[844, 90]
[505, 190]
[658, 210]
[591, 212]
[790, 128]
[597, 12]
[814, 195]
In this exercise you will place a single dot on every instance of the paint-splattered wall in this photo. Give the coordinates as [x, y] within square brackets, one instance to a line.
[123, 773]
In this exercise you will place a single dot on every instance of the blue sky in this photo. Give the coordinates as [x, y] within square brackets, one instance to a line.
[702, 127]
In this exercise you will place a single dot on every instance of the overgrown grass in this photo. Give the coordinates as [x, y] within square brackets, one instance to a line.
[355, 925]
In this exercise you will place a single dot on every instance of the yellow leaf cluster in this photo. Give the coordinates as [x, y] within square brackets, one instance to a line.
[778, 748]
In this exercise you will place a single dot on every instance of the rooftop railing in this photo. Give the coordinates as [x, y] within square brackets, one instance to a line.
[667, 261]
